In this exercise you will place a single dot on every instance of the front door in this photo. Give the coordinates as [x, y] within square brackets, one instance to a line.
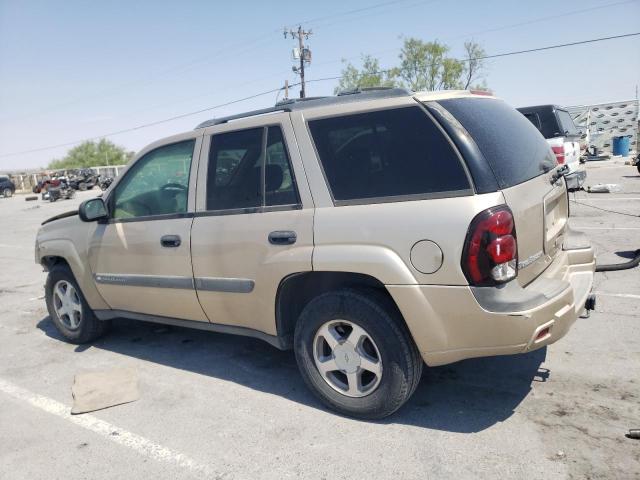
[141, 259]
[254, 221]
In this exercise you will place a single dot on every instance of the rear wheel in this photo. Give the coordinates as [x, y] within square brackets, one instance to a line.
[82, 186]
[6, 193]
[356, 354]
[68, 308]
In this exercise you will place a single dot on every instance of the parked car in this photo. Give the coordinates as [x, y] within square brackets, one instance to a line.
[556, 125]
[7, 187]
[370, 233]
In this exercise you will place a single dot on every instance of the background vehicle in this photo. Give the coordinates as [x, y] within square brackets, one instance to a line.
[83, 179]
[7, 187]
[367, 232]
[61, 191]
[104, 182]
[557, 127]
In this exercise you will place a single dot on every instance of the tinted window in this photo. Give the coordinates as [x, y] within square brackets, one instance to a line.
[533, 118]
[513, 147]
[567, 126]
[234, 170]
[279, 182]
[157, 184]
[387, 153]
[235, 178]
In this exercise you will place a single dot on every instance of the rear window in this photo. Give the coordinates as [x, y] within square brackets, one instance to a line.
[513, 147]
[388, 153]
[566, 123]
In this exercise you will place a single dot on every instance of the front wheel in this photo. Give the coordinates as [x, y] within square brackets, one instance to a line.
[68, 308]
[355, 353]
[6, 193]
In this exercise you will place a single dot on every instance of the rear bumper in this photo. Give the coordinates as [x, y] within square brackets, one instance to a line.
[451, 323]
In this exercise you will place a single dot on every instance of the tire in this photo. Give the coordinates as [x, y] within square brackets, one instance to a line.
[7, 193]
[389, 342]
[87, 326]
[82, 186]
[638, 167]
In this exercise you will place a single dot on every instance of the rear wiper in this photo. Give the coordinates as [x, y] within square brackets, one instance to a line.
[561, 171]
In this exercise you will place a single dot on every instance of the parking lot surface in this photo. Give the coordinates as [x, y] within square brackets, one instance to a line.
[220, 406]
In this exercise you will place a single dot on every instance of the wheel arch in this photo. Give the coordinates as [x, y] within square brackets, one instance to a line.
[63, 252]
[297, 290]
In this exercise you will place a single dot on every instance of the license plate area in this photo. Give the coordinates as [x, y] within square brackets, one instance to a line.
[556, 213]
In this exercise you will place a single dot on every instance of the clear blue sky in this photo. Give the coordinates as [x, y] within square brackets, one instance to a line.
[76, 69]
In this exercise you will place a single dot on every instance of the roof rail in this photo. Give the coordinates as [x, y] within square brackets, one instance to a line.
[294, 104]
[252, 113]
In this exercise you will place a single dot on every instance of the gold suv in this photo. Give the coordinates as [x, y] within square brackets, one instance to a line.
[370, 232]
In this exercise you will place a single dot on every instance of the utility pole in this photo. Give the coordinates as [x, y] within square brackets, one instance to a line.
[301, 53]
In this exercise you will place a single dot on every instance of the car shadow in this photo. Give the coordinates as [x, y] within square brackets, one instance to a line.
[629, 254]
[464, 397]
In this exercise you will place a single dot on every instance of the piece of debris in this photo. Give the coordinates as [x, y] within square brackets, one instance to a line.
[605, 188]
[98, 390]
[634, 433]
[560, 454]
[31, 198]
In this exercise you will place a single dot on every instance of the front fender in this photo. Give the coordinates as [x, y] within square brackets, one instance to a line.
[66, 249]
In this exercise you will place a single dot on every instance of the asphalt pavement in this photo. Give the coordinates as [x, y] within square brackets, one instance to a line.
[221, 406]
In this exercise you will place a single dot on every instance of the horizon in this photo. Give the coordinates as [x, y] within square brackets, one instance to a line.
[153, 63]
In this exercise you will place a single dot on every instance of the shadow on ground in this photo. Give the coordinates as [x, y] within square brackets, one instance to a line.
[467, 396]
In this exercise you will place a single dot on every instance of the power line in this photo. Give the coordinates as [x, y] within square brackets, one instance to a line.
[188, 114]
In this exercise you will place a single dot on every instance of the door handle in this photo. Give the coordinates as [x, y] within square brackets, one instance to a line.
[282, 237]
[170, 241]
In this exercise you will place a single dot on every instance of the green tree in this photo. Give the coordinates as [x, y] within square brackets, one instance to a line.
[425, 66]
[369, 75]
[93, 154]
[474, 65]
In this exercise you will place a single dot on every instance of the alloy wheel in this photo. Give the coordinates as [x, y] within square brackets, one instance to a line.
[347, 358]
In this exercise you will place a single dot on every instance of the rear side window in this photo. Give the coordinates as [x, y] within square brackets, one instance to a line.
[566, 123]
[513, 147]
[385, 154]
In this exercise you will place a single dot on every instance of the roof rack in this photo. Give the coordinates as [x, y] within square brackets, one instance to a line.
[294, 104]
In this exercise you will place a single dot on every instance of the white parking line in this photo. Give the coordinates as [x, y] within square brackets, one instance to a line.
[599, 199]
[116, 434]
[578, 227]
[618, 295]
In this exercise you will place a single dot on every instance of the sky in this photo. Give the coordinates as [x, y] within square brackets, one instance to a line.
[72, 70]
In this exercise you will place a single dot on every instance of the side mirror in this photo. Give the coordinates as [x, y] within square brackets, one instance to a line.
[92, 210]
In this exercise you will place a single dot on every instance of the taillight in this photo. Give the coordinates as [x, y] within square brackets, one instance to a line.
[490, 255]
[559, 153]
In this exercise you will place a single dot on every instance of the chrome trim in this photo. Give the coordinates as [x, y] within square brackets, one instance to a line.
[229, 285]
[208, 284]
[153, 281]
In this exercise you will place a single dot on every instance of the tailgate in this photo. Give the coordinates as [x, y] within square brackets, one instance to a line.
[540, 211]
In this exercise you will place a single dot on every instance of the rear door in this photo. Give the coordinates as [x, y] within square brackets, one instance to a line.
[254, 220]
[523, 164]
